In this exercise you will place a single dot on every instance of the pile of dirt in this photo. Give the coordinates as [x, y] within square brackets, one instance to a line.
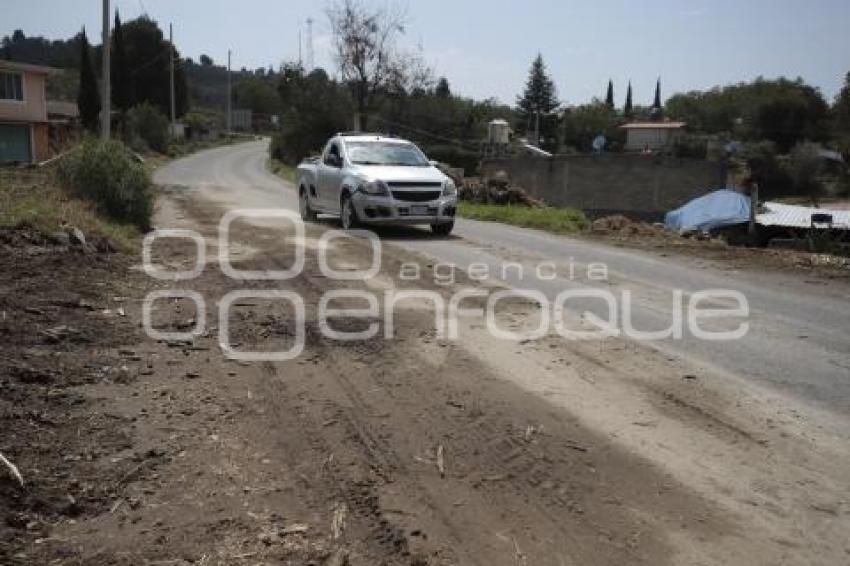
[496, 189]
[722, 246]
[620, 225]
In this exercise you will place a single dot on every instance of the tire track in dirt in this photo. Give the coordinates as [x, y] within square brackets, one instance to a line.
[484, 452]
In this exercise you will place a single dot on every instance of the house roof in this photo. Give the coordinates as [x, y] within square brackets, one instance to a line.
[26, 67]
[653, 125]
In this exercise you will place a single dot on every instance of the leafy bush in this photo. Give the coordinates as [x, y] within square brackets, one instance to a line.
[692, 146]
[768, 170]
[198, 124]
[147, 127]
[107, 174]
[804, 167]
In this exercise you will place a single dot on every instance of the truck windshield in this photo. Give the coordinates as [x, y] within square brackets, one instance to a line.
[386, 153]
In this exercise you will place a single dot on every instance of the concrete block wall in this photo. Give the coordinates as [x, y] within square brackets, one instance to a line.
[636, 185]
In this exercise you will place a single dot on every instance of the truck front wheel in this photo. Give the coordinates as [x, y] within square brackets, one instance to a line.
[348, 214]
[443, 229]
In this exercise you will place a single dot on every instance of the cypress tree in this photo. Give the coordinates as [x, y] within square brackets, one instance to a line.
[443, 90]
[609, 98]
[627, 109]
[119, 76]
[657, 102]
[88, 99]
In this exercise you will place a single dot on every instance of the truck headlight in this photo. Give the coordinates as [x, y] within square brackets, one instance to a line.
[449, 188]
[375, 188]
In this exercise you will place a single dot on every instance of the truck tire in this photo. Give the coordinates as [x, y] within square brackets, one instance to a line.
[443, 229]
[307, 213]
[348, 214]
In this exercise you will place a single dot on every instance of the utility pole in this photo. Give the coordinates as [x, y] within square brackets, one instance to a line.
[229, 94]
[106, 96]
[171, 76]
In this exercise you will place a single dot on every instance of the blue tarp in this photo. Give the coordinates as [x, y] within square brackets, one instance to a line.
[716, 209]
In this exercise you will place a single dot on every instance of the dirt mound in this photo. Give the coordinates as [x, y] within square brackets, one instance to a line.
[620, 225]
[496, 189]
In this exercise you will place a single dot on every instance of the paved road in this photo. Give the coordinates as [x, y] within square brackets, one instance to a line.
[799, 338]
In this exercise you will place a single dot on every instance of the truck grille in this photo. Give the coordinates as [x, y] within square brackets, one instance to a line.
[414, 184]
[416, 196]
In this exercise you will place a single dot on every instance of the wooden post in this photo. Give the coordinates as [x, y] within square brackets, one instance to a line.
[754, 203]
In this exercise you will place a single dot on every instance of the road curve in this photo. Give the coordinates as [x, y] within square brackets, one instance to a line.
[798, 338]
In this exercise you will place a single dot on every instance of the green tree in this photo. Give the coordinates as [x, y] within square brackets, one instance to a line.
[782, 111]
[88, 99]
[609, 97]
[583, 123]
[841, 108]
[656, 104]
[627, 108]
[119, 72]
[537, 103]
[147, 55]
[315, 107]
[258, 94]
[442, 89]
[206, 60]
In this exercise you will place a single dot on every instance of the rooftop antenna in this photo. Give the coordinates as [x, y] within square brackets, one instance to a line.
[310, 53]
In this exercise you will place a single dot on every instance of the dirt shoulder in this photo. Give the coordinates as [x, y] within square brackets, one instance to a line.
[414, 450]
[621, 232]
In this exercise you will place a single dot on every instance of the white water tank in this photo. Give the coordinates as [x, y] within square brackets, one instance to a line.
[499, 132]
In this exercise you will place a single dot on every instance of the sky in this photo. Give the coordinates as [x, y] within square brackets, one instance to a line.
[485, 48]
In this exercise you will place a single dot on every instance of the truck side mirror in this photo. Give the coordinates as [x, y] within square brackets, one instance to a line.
[333, 160]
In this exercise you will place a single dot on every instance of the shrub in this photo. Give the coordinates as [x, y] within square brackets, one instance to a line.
[278, 149]
[107, 174]
[147, 127]
[198, 124]
[692, 146]
[767, 169]
[804, 167]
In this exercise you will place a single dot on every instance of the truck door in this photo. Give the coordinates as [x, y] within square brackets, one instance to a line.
[330, 177]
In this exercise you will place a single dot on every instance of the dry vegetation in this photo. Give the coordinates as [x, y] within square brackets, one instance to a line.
[33, 199]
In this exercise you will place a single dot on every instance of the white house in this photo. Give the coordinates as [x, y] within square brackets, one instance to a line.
[654, 136]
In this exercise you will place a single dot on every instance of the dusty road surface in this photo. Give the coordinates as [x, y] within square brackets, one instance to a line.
[421, 449]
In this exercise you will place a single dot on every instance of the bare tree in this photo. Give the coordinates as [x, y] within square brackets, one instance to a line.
[365, 43]
[408, 73]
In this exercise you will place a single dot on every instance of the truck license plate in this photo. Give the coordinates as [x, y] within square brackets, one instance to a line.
[418, 210]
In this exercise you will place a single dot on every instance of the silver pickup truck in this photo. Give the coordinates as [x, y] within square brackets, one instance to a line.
[376, 179]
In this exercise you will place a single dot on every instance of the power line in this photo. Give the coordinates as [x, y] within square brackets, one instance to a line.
[146, 64]
[432, 135]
